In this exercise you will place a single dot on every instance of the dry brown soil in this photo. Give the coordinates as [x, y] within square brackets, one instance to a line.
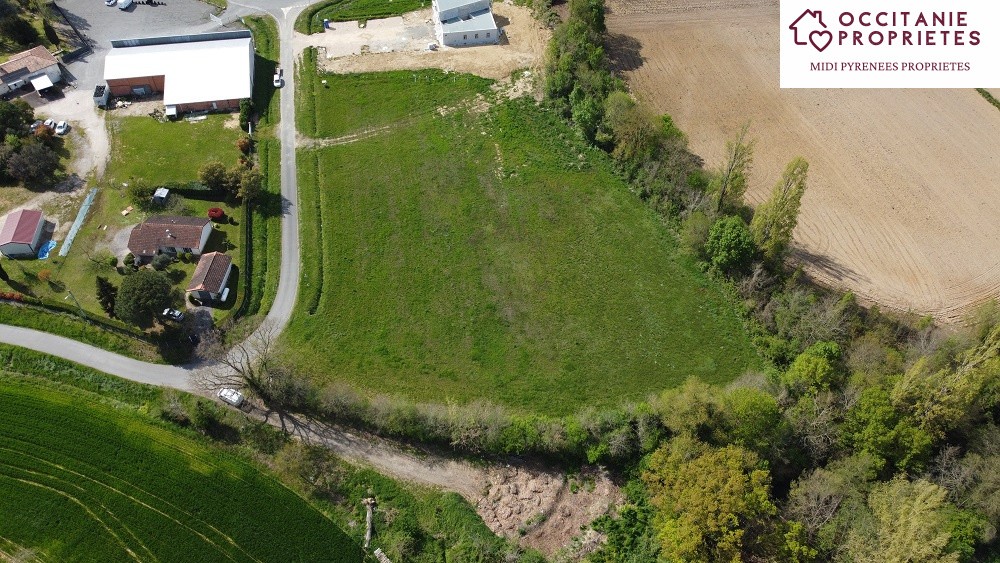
[903, 190]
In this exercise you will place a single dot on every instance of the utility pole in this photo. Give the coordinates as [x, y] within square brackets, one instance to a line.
[82, 314]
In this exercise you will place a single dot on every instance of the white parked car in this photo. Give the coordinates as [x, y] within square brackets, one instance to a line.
[173, 314]
[62, 128]
[50, 123]
[279, 77]
[124, 4]
[109, 2]
[231, 396]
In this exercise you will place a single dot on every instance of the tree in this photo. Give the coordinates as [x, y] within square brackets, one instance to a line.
[107, 293]
[910, 525]
[730, 245]
[314, 468]
[252, 366]
[35, 163]
[140, 192]
[692, 408]
[775, 219]
[141, 296]
[14, 118]
[713, 503]
[732, 181]
[813, 370]
[250, 184]
[214, 176]
[830, 501]
[633, 130]
[875, 427]
[161, 261]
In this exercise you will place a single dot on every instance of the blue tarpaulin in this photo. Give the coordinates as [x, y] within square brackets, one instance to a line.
[43, 252]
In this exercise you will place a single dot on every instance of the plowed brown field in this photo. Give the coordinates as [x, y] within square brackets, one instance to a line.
[903, 203]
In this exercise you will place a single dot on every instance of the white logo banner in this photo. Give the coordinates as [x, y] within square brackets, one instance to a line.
[890, 44]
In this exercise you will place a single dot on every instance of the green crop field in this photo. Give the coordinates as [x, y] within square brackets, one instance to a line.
[86, 481]
[461, 254]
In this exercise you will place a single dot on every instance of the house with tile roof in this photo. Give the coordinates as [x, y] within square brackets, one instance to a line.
[211, 276]
[36, 66]
[166, 234]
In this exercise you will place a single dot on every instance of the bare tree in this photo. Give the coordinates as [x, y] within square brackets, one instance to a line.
[251, 366]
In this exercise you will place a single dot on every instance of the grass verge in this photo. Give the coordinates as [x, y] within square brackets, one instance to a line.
[311, 19]
[494, 256]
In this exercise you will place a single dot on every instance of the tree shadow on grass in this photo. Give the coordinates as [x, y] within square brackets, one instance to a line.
[270, 204]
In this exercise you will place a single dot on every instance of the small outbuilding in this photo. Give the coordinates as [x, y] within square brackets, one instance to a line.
[164, 234]
[211, 276]
[160, 196]
[21, 233]
[36, 66]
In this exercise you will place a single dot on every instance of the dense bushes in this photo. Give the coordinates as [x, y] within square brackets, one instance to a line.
[25, 157]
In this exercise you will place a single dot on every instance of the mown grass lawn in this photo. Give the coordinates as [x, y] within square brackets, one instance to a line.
[85, 481]
[491, 255]
[142, 147]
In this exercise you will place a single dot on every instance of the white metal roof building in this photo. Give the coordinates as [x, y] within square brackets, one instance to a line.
[465, 22]
[206, 71]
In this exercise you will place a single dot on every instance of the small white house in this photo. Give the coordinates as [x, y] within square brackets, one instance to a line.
[459, 23]
[36, 66]
[21, 233]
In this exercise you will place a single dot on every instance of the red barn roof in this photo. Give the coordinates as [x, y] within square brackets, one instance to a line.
[20, 226]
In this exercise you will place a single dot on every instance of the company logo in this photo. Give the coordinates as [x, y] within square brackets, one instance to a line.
[890, 43]
[818, 38]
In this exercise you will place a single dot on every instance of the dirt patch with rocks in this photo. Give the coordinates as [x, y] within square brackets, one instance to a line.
[545, 510]
[523, 47]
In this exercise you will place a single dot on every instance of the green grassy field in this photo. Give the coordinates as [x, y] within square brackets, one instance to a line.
[311, 19]
[345, 104]
[492, 255]
[84, 481]
[161, 153]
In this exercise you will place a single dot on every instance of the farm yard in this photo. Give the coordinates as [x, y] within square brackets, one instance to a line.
[494, 257]
[103, 483]
[886, 208]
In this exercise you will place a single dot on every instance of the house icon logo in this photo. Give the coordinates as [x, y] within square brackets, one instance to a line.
[809, 29]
